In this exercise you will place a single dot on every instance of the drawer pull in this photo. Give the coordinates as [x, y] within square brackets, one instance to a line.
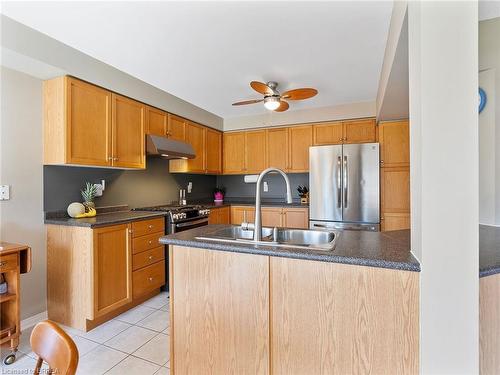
[4, 263]
[150, 279]
[150, 226]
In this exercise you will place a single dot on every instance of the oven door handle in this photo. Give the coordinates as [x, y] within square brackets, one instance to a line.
[190, 223]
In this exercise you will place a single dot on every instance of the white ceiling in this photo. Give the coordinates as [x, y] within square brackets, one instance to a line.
[207, 52]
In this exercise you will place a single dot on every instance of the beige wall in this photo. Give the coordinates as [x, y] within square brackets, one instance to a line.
[489, 122]
[21, 218]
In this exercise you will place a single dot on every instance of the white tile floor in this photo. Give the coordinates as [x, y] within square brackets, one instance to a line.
[135, 342]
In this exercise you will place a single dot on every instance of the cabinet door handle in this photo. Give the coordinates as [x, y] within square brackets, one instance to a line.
[151, 257]
[150, 242]
[130, 231]
[115, 159]
[150, 279]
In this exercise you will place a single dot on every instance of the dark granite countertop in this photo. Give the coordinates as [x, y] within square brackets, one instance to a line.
[249, 202]
[374, 249]
[489, 250]
[104, 219]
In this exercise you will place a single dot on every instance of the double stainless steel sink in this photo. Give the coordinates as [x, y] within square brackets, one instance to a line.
[281, 237]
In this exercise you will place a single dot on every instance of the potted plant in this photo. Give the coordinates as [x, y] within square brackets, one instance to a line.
[219, 194]
[88, 195]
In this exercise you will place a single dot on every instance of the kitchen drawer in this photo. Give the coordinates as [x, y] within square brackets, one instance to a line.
[148, 278]
[143, 227]
[148, 257]
[144, 243]
[8, 262]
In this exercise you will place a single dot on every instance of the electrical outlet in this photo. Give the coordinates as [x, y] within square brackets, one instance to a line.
[190, 187]
[98, 190]
[266, 186]
[4, 192]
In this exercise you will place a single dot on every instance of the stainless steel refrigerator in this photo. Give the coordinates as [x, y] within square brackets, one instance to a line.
[344, 187]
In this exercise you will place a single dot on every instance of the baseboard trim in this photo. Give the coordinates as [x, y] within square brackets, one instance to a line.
[32, 320]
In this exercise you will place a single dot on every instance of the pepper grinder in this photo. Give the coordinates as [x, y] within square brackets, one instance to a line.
[182, 197]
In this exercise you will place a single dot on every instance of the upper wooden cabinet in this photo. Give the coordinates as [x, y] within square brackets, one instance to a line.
[207, 144]
[77, 123]
[360, 131]
[300, 138]
[340, 132]
[277, 148]
[87, 125]
[394, 141]
[128, 131]
[213, 151]
[176, 128]
[255, 151]
[330, 133]
[157, 121]
[233, 155]
[195, 136]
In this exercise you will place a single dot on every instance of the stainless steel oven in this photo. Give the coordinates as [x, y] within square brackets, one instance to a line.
[174, 227]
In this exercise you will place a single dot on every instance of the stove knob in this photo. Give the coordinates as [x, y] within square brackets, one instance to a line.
[175, 216]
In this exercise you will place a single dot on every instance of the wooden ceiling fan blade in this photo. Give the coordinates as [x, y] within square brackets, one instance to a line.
[283, 106]
[299, 94]
[244, 102]
[261, 88]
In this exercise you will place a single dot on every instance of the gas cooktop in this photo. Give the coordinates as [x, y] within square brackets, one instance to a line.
[179, 212]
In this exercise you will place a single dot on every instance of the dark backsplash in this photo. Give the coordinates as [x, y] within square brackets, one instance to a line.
[152, 186]
[237, 188]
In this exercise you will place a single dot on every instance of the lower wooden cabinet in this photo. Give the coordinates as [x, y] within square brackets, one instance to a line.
[112, 269]
[359, 319]
[489, 325]
[148, 278]
[220, 215]
[239, 214]
[95, 274]
[296, 217]
[254, 314]
[394, 221]
[395, 198]
[220, 322]
[289, 217]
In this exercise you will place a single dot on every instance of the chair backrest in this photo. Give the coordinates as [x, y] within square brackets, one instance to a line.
[52, 345]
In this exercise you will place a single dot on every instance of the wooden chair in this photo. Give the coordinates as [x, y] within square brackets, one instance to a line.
[52, 345]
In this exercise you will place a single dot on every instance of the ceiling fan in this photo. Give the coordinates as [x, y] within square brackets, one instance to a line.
[273, 100]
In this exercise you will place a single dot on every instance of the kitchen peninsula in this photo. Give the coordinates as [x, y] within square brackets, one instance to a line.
[246, 308]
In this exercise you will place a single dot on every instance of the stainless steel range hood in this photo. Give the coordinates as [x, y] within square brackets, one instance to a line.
[167, 148]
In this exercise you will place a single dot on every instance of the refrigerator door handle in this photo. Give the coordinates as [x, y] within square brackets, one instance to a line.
[339, 182]
[346, 174]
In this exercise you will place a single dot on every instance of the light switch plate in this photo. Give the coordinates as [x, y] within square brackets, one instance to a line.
[4, 192]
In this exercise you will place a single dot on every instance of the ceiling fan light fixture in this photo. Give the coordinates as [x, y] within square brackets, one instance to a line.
[271, 102]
